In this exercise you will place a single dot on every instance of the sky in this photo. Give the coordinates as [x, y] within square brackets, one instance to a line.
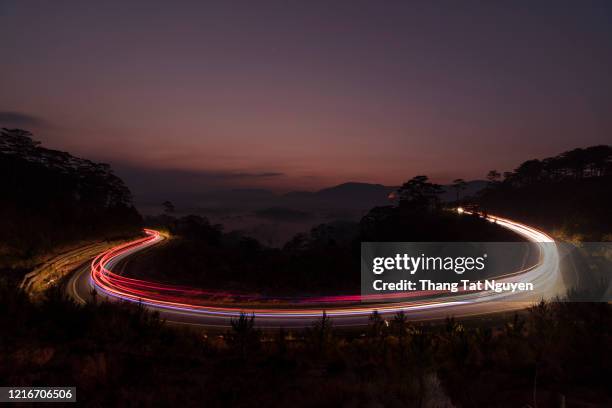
[300, 95]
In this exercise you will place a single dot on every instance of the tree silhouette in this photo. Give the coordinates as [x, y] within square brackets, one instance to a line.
[419, 194]
[459, 185]
[377, 326]
[576, 164]
[493, 176]
[320, 335]
[168, 207]
[598, 159]
[530, 171]
[244, 336]
[399, 324]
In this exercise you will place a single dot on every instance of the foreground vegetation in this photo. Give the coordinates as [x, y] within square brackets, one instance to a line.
[122, 355]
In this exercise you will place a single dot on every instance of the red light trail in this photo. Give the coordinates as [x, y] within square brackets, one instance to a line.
[201, 303]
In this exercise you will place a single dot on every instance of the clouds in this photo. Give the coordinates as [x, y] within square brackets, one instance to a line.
[20, 119]
[151, 184]
[250, 175]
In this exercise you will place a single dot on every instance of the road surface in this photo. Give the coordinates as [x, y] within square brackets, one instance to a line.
[188, 306]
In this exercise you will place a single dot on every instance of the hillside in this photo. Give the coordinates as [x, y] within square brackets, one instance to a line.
[569, 194]
[51, 199]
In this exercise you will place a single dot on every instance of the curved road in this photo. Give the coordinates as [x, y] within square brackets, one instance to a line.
[188, 306]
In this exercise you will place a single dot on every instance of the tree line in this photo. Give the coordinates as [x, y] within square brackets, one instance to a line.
[51, 198]
[569, 194]
[575, 164]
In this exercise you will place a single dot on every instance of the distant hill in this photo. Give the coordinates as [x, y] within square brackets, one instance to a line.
[358, 195]
[346, 195]
[275, 218]
[354, 197]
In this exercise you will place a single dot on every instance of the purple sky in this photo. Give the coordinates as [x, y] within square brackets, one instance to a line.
[293, 95]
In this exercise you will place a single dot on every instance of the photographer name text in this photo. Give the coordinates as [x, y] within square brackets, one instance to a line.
[405, 285]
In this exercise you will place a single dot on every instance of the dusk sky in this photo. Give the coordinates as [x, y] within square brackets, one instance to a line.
[291, 95]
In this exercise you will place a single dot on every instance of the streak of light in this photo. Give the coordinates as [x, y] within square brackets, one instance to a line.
[544, 275]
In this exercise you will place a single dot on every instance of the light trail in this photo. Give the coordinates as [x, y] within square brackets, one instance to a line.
[199, 305]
